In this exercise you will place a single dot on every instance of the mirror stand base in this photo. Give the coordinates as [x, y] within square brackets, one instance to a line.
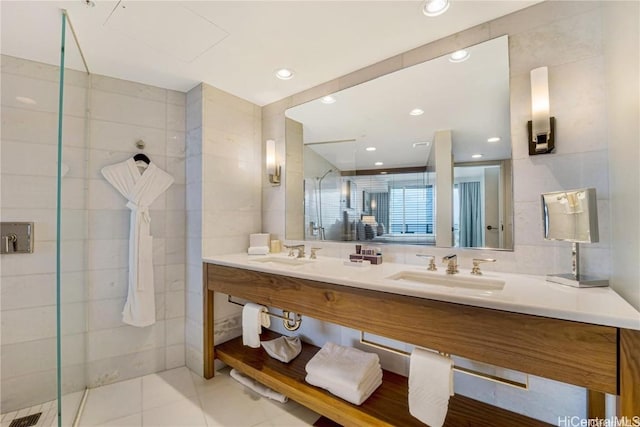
[579, 281]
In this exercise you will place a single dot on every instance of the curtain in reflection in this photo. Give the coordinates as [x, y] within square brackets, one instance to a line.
[380, 208]
[470, 214]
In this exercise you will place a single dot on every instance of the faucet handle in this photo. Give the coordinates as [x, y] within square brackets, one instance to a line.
[432, 261]
[300, 249]
[313, 253]
[452, 263]
[476, 265]
[291, 254]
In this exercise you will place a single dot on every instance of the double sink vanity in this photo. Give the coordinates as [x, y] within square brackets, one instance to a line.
[585, 337]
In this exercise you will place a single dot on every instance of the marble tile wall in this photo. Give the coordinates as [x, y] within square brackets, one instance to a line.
[104, 117]
[121, 113]
[566, 37]
[193, 327]
[223, 197]
[621, 35]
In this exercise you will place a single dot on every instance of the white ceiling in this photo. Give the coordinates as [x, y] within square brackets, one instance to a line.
[234, 45]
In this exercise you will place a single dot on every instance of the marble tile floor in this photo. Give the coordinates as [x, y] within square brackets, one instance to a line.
[173, 398]
[180, 398]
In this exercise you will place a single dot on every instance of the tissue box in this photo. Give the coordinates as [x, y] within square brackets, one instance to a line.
[259, 240]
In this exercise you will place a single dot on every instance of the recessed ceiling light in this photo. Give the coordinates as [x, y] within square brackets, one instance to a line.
[476, 156]
[378, 163]
[370, 148]
[493, 139]
[284, 74]
[327, 99]
[459, 55]
[25, 100]
[435, 7]
[416, 112]
[88, 3]
[420, 144]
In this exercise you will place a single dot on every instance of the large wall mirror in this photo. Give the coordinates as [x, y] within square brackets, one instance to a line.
[418, 156]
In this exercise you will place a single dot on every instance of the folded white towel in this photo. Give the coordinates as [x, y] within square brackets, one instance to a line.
[356, 395]
[430, 386]
[328, 382]
[284, 349]
[252, 324]
[258, 250]
[257, 387]
[345, 365]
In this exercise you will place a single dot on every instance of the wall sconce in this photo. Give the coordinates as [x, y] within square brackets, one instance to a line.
[273, 169]
[542, 126]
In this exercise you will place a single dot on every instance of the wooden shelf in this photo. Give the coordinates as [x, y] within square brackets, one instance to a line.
[388, 406]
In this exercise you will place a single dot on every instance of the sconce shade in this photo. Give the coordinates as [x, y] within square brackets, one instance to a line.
[273, 170]
[541, 127]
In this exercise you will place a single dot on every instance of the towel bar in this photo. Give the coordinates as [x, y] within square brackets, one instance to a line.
[478, 374]
[290, 324]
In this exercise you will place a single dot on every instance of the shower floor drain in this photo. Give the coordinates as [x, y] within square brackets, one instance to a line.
[29, 420]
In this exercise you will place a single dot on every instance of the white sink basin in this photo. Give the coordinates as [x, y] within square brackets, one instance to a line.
[293, 262]
[452, 281]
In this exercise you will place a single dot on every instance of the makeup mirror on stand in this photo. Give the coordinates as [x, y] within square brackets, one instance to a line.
[572, 216]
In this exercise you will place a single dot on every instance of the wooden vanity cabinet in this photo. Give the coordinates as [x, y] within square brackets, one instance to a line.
[602, 359]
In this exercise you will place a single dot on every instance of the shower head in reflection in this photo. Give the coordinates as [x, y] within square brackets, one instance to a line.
[325, 174]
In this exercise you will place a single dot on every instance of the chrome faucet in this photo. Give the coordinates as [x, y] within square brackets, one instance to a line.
[299, 248]
[452, 263]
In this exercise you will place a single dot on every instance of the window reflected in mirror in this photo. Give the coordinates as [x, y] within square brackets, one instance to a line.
[380, 208]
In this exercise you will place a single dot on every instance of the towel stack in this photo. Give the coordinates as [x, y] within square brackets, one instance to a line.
[346, 372]
[259, 244]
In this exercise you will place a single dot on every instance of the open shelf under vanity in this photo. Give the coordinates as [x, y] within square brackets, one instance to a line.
[600, 358]
[388, 405]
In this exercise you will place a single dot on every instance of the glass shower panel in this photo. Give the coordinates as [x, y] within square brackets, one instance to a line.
[28, 302]
[72, 230]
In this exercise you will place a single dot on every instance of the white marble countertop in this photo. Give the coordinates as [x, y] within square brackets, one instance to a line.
[521, 293]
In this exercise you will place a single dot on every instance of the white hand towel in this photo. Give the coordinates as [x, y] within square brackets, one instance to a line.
[352, 395]
[261, 389]
[347, 365]
[258, 250]
[251, 324]
[284, 349]
[430, 386]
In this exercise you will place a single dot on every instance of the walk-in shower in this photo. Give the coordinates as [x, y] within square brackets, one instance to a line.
[317, 227]
[44, 292]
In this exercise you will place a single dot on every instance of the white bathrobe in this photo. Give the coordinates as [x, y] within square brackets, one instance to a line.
[140, 188]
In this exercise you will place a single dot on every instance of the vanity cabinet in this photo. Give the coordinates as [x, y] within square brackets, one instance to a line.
[603, 359]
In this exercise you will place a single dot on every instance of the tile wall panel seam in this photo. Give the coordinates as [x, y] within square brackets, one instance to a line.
[37, 110]
[124, 123]
[560, 64]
